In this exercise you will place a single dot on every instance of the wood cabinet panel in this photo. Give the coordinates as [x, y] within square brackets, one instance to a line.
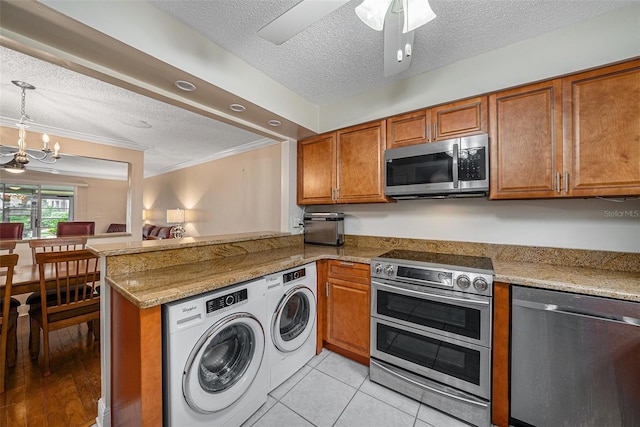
[345, 295]
[463, 118]
[349, 271]
[602, 131]
[526, 141]
[408, 129]
[136, 364]
[348, 316]
[500, 376]
[317, 169]
[360, 151]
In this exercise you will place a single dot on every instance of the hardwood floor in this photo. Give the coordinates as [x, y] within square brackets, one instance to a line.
[68, 397]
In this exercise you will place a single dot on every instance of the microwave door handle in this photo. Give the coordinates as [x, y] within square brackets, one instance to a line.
[455, 166]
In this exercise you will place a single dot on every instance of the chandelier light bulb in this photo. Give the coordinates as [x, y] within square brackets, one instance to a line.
[407, 49]
[45, 141]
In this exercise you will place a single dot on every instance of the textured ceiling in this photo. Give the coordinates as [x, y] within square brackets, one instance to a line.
[339, 56]
[335, 58]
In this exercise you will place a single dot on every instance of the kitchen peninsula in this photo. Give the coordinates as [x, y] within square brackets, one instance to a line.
[141, 276]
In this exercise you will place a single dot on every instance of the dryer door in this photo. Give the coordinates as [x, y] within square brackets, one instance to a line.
[224, 363]
[293, 319]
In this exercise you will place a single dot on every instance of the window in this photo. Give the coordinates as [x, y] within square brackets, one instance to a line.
[39, 207]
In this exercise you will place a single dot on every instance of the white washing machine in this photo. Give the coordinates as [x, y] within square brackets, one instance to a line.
[215, 370]
[292, 310]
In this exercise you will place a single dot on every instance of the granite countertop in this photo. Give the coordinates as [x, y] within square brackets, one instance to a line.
[162, 285]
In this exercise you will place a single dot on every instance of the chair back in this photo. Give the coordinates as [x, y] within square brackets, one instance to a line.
[8, 261]
[76, 278]
[7, 245]
[56, 245]
[11, 230]
[75, 228]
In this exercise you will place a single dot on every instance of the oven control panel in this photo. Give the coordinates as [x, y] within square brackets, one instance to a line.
[463, 281]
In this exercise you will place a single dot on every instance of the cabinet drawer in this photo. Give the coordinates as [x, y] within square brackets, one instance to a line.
[349, 271]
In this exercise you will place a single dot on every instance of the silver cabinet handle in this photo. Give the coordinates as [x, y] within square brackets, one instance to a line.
[326, 288]
[428, 295]
[435, 131]
[558, 187]
[566, 182]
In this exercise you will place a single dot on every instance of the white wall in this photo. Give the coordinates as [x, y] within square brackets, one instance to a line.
[593, 224]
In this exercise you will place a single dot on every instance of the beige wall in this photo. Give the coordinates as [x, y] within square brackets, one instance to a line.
[240, 193]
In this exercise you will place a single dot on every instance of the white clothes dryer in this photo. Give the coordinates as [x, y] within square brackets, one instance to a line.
[292, 312]
[215, 370]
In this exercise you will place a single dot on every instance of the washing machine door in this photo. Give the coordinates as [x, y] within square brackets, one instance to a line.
[293, 319]
[223, 363]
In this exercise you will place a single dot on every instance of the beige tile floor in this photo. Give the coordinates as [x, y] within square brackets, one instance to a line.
[332, 390]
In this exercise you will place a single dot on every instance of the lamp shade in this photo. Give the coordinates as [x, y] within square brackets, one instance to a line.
[416, 13]
[372, 12]
[175, 216]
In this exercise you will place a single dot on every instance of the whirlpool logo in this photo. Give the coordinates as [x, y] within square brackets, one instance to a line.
[189, 309]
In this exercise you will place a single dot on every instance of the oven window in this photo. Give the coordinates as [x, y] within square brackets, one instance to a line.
[450, 359]
[444, 317]
[427, 169]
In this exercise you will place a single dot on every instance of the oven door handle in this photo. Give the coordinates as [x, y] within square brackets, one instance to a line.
[434, 296]
[432, 389]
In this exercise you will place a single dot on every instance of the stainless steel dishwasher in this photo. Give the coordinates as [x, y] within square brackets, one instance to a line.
[575, 360]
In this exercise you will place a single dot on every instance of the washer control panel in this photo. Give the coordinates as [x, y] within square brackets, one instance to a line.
[226, 300]
[294, 275]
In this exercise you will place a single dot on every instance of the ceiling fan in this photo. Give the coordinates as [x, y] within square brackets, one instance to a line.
[397, 18]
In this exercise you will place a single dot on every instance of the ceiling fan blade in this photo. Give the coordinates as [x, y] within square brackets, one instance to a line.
[394, 41]
[297, 19]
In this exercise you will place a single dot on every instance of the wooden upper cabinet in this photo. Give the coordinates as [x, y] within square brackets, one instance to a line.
[317, 170]
[360, 162]
[602, 131]
[462, 118]
[408, 129]
[526, 141]
[343, 167]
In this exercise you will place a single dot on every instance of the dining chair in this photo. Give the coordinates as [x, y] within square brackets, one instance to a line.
[11, 230]
[56, 245]
[9, 319]
[75, 228]
[7, 245]
[72, 301]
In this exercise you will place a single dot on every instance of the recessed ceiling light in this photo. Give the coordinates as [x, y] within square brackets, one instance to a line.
[237, 108]
[185, 85]
[274, 123]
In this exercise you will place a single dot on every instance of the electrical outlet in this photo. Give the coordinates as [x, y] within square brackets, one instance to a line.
[296, 222]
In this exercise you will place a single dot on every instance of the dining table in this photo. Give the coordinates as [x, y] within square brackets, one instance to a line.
[26, 278]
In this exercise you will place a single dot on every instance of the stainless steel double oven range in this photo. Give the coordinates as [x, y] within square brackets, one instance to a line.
[431, 329]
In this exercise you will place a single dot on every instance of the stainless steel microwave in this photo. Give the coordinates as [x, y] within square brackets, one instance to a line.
[452, 168]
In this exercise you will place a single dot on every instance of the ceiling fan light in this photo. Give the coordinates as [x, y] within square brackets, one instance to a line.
[416, 14]
[372, 12]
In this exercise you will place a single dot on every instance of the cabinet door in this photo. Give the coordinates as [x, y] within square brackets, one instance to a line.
[463, 118]
[408, 129]
[526, 141]
[317, 170]
[360, 153]
[602, 131]
[348, 319]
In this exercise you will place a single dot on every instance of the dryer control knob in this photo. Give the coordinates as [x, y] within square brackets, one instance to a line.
[229, 300]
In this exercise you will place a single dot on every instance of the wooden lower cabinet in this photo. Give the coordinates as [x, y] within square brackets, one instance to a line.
[136, 364]
[346, 308]
[500, 377]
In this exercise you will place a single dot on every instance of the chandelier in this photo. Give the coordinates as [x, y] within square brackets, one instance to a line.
[21, 158]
